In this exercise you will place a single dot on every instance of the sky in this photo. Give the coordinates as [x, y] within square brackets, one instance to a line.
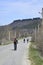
[11, 10]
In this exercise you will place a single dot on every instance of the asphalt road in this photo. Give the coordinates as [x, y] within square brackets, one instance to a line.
[10, 57]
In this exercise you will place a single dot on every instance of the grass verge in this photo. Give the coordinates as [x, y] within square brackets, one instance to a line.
[6, 43]
[34, 56]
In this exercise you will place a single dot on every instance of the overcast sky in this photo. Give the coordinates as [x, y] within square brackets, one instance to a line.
[19, 9]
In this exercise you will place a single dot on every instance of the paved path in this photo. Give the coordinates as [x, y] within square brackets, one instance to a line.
[10, 57]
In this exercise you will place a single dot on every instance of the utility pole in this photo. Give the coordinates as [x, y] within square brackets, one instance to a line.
[42, 22]
[42, 16]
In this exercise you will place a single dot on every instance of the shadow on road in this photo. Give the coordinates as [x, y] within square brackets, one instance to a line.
[13, 50]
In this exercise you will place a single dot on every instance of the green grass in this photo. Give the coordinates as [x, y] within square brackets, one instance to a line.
[8, 42]
[34, 56]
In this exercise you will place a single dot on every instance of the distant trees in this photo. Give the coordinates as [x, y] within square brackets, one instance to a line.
[38, 39]
[19, 28]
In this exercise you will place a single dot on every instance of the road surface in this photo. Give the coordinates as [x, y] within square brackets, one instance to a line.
[10, 57]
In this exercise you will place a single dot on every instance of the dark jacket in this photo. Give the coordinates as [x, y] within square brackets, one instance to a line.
[15, 41]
